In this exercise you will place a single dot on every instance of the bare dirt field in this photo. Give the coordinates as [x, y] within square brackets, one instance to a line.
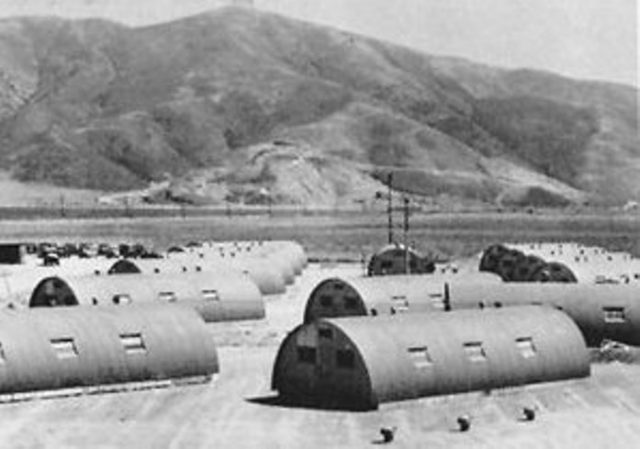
[234, 410]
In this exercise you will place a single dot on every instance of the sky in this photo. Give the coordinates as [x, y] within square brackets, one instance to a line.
[587, 39]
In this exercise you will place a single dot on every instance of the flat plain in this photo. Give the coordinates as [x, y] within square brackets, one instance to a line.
[343, 234]
[237, 408]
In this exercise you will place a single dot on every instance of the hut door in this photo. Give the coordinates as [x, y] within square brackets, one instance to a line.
[326, 352]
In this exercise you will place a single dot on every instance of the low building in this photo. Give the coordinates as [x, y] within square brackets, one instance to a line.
[360, 362]
[378, 295]
[46, 349]
[216, 298]
[398, 259]
[602, 312]
[267, 278]
[12, 253]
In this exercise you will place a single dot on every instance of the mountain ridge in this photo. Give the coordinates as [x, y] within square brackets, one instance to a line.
[112, 107]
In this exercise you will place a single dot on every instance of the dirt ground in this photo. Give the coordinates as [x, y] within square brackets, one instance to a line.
[233, 410]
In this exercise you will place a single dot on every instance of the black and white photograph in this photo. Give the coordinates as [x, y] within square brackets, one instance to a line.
[318, 224]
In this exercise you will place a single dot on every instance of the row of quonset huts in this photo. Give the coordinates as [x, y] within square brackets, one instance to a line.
[134, 327]
[368, 340]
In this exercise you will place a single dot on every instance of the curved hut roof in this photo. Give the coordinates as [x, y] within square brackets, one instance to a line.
[369, 361]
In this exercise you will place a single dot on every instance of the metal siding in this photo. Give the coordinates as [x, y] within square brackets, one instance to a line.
[269, 279]
[383, 342]
[376, 292]
[239, 297]
[177, 341]
[583, 303]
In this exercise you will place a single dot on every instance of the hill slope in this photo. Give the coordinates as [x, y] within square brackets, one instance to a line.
[231, 103]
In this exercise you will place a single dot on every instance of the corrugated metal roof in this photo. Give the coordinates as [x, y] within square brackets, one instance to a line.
[216, 298]
[500, 340]
[81, 346]
[592, 307]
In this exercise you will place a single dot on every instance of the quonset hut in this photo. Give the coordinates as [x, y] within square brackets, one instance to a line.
[392, 259]
[359, 363]
[228, 298]
[267, 278]
[377, 295]
[49, 349]
[602, 312]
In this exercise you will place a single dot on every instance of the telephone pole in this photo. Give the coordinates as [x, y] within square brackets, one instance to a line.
[407, 268]
[389, 208]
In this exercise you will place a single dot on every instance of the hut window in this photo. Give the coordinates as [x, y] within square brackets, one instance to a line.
[386, 264]
[307, 354]
[338, 287]
[350, 302]
[420, 357]
[345, 358]
[326, 301]
[614, 314]
[210, 295]
[526, 347]
[475, 351]
[65, 348]
[133, 343]
[121, 299]
[324, 332]
[167, 296]
[400, 303]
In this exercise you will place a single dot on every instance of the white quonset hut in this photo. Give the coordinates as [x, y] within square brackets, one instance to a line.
[361, 362]
[45, 349]
[288, 257]
[267, 278]
[228, 298]
[379, 295]
[602, 312]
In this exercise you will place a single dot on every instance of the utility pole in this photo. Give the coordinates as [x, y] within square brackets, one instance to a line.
[389, 208]
[407, 268]
[63, 213]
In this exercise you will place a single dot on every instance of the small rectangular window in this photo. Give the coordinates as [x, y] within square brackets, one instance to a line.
[400, 303]
[614, 314]
[345, 358]
[420, 356]
[210, 295]
[350, 302]
[167, 296]
[326, 301]
[526, 347]
[475, 351]
[65, 348]
[324, 332]
[338, 287]
[133, 343]
[307, 354]
[436, 300]
[121, 298]
[386, 264]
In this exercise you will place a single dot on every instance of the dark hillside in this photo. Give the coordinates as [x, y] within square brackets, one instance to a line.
[194, 100]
